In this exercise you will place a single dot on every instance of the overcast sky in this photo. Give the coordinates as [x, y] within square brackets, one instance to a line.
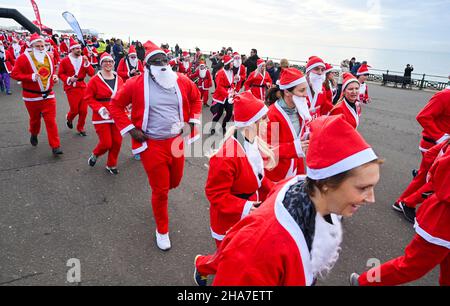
[384, 24]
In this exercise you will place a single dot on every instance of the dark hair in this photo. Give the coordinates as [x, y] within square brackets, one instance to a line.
[254, 50]
[332, 182]
[271, 95]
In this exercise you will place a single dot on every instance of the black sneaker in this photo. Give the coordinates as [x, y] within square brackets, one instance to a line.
[408, 212]
[9, 93]
[57, 151]
[414, 172]
[92, 160]
[112, 170]
[34, 140]
[397, 207]
[199, 279]
[82, 133]
[69, 124]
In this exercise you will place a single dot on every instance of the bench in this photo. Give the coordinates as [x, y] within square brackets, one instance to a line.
[396, 79]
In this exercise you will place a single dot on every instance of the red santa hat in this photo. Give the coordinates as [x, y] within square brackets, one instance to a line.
[202, 62]
[89, 43]
[345, 148]
[185, 54]
[151, 49]
[167, 51]
[313, 62]
[105, 55]
[74, 44]
[290, 77]
[227, 59]
[35, 37]
[328, 68]
[363, 69]
[260, 62]
[348, 79]
[235, 54]
[173, 62]
[248, 109]
[132, 50]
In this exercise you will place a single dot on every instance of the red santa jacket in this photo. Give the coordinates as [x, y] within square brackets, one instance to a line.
[224, 87]
[352, 116]
[92, 55]
[64, 48]
[267, 248]
[98, 94]
[24, 71]
[432, 220]
[258, 84]
[242, 73]
[9, 60]
[364, 93]
[67, 70]
[286, 144]
[136, 92]
[435, 117]
[202, 83]
[231, 187]
[184, 70]
[319, 104]
[124, 70]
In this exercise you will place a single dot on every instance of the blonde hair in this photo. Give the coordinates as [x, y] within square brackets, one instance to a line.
[284, 63]
[263, 147]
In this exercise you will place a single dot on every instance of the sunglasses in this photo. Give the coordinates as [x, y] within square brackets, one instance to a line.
[161, 62]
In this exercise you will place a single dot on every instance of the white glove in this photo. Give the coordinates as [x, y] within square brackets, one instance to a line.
[35, 77]
[103, 112]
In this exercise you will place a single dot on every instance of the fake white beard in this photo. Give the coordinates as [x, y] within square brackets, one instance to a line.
[186, 65]
[16, 48]
[202, 73]
[316, 82]
[133, 62]
[302, 107]
[164, 76]
[39, 55]
[326, 245]
[237, 63]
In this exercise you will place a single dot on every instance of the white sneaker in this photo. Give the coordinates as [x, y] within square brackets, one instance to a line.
[163, 241]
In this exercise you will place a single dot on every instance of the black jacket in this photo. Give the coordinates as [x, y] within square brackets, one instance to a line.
[250, 63]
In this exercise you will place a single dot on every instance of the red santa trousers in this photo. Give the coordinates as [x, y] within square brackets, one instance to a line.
[164, 163]
[207, 264]
[204, 96]
[78, 106]
[46, 109]
[110, 141]
[420, 258]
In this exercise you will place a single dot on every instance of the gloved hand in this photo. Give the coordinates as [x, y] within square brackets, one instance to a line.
[103, 112]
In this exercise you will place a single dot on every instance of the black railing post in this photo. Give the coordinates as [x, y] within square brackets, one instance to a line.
[422, 82]
[387, 72]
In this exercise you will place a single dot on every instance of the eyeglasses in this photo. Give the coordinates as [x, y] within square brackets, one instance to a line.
[161, 62]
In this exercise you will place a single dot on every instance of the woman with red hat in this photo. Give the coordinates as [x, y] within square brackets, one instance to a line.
[430, 246]
[259, 80]
[287, 130]
[204, 81]
[294, 237]
[236, 181]
[130, 65]
[98, 95]
[330, 83]
[349, 104]
[362, 74]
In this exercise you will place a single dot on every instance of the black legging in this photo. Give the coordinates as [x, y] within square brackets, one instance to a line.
[228, 108]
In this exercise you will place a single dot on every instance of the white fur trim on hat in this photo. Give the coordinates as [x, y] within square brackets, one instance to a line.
[314, 66]
[232, 59]
[259, 115]
[292, 84]
[344, 86]
[351, 162]
[36, 40]
[75, 46]
[106, 57]
[153, 53]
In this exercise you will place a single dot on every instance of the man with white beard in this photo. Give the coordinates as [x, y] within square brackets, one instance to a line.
[130, 65]
[317, 99]
[36, 71]
[185, 66]
[163, 104]
[239, 70]
[203, 78]
[64, 47]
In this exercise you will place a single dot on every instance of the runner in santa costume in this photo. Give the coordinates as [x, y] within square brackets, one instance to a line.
[421, 184]
[349, 104]
[130, 65]
[49, 47]
[259, 80]
[15, 49]
[330, 83]
[435, 120]
[163, 103]
[98, 95]
[239, 70]
[317, 99]
[295, 235]
[362, 75]
[6, 66]
[185, 67]
[72, 71]
[287, 130]
[64, 47]
[224, 94]
[91, 52]
[204, 81]
[36, 71]
[236, 182]
[430, 246]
